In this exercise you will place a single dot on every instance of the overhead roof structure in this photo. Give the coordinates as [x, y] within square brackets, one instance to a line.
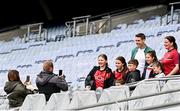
[20, 12]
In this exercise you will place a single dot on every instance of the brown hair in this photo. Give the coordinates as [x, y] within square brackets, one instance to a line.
[134, 62]
[141, 35]
[172, 40]
[13, 75]
[158, 64]
[123, 60]
[47, 65]
[153, 54]
[104, 56]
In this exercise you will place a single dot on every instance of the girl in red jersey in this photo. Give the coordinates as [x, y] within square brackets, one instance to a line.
[100, 76]
[121, 70]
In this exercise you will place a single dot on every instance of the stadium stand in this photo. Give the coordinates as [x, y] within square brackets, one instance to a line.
[33, 102]
[112, 94]
[76, 56]
[58, 101]
[144, 89]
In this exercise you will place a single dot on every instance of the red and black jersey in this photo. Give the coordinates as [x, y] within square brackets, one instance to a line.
[100, 77]
[120, 76]
[97, 78]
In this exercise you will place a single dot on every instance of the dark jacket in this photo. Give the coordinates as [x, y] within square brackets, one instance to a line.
[49, 83]
[133, 76]
[90, 79]
[16, 93]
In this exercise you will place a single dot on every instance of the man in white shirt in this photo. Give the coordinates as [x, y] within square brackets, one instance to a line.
[140, 51]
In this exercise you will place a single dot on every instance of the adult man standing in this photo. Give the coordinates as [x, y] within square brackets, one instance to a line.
[48, 82]
[140, 51]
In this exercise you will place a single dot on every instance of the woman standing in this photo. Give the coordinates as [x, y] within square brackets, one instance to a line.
[100, 76]
[170, 60]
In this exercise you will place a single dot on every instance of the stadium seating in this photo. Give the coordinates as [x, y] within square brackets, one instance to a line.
[171, 97]
[83, 98]
[76, 56]
[142, 90]
[33, 102]
[58, 101]
[112, 94]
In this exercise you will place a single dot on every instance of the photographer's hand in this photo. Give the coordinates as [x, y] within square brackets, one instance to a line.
[62, 76]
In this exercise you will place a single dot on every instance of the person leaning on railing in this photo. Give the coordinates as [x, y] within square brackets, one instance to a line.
[100, 76]
[121, 71]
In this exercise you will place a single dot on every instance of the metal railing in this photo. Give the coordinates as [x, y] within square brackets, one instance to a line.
[108, 20]
[78, 19]
[35, 28]
[71, 25]
[172, 10]
[175, 77]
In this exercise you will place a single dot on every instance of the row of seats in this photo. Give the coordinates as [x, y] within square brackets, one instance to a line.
[77, 55]
[81, 56]
[38, 47]
[68, 100]
[77, 99]
[29, 61]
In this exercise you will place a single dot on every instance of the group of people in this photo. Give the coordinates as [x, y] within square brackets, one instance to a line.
[46, 81]
[143, 65]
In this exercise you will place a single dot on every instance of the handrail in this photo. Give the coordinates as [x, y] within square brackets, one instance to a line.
[174, 77]
[127, 99]
[161, 106]
[134, 98]
[103, 25]
[172, 10]
[87, 16]
[8, 28]
[116, 12]
[30, 25]
[174, 3]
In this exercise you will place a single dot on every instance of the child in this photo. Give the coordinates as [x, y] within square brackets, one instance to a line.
[148, 70]
[121, 70]
[100, 76]
[133, 74]
[158, 70]
[119, 82]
